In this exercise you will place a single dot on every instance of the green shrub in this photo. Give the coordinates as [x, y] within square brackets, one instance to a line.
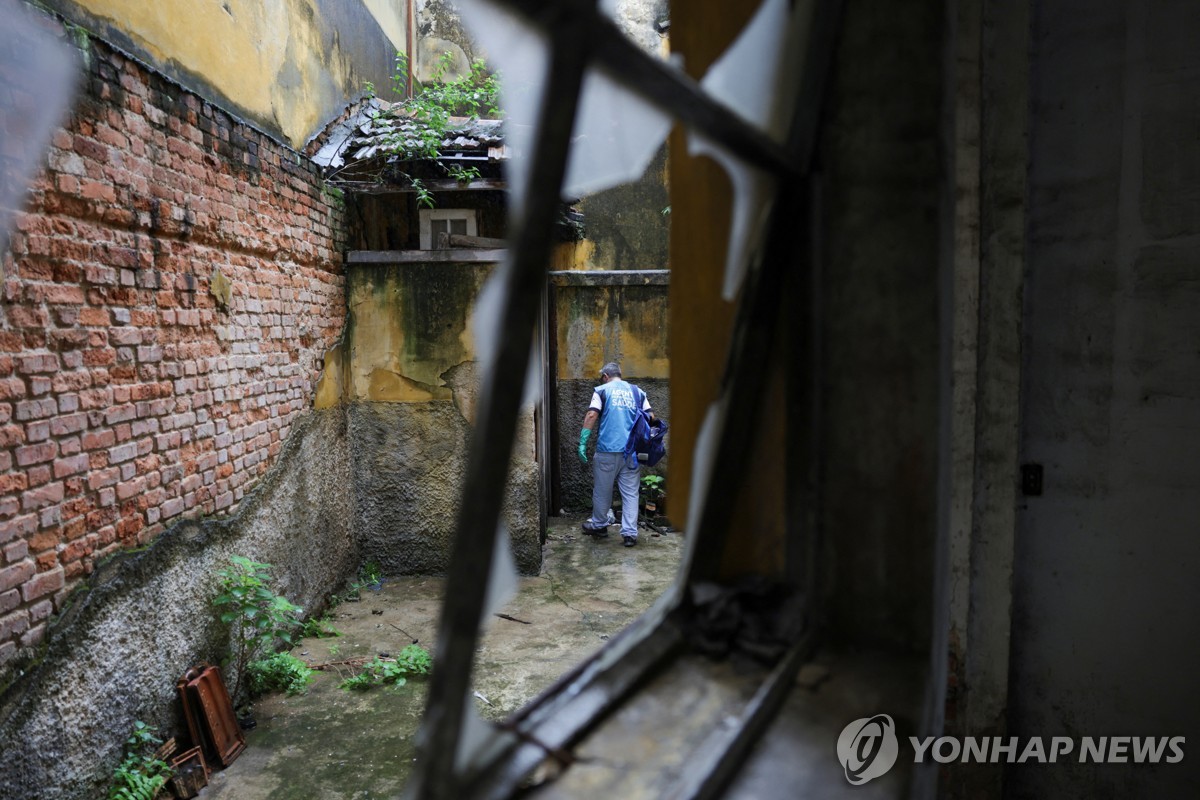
[282, 672]
[258, 618]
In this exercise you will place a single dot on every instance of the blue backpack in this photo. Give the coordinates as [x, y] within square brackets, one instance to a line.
[645, 443]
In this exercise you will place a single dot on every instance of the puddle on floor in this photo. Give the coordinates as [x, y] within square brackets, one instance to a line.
[335, 744]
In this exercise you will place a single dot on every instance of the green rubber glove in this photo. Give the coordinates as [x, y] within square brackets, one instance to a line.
[583, 437]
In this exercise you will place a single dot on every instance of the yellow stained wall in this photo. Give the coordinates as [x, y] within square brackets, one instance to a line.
[287, 65]
[409, 327]
[596, 323]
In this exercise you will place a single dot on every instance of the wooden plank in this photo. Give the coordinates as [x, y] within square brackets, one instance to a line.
[461, 241]
[433, 185]
[423, 256]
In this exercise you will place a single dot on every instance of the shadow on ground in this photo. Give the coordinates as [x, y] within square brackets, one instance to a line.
[333, 744]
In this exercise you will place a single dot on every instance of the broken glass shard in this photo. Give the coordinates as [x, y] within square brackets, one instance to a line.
[760, 67]
[615, 137]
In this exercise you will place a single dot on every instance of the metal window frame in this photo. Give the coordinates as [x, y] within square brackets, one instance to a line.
[580, 36]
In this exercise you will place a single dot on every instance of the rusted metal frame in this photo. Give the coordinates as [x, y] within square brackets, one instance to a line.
[410, 36]
[495, 427]
[753, 340]
[666, 86]
[714, 764]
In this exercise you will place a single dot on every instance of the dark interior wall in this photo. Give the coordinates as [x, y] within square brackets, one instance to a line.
[1105, 637]
[390, 222]
[881, 176]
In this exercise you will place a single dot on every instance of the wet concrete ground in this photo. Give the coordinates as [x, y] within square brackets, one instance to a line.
[333, 743]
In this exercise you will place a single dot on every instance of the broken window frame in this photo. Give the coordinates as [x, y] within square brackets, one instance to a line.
[579, 36]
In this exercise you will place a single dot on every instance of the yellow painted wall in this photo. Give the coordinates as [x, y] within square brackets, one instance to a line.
[596, 323]
[409, 327]
[287, 65]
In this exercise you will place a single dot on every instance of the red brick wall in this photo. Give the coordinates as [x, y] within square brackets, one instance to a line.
[127, 397]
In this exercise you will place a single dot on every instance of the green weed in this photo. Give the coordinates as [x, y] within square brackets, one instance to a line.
[140, 775]
[280, 672]
[412, 660]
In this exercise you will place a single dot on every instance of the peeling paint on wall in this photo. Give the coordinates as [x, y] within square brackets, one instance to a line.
[406, 371]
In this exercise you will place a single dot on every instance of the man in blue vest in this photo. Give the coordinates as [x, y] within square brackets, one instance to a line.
[614, 405]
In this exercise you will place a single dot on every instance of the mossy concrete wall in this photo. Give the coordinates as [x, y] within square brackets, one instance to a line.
[599, 317]
[626, 227]
[407, 370]
[113, 656]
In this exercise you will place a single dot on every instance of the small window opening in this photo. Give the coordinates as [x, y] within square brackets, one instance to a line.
[439, 224]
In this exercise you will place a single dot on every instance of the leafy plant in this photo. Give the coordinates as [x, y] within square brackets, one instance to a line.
[320, 628]
[462, 174]
[279, 672]
[652, 487]
[257, 617]
[415, 660]
[424, 196]
[412, 660]
[140, 775]
[413, 128]
[370, 574]
[653, 492]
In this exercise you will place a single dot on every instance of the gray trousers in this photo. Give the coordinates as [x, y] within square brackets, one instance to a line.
[608, 468]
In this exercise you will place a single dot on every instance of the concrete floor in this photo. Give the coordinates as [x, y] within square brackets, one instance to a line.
[333, 744]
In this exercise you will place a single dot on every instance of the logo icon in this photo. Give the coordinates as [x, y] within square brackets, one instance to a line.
[868, 748]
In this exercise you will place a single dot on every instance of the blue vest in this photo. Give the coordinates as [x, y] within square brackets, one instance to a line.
[617, 416]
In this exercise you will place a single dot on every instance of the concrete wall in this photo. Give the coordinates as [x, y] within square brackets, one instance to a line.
[624, 227]
[288, 66]
[407, 369]
[129, 395]
[879, 450]
[598, 317]
[123, 640]
[1105, 636]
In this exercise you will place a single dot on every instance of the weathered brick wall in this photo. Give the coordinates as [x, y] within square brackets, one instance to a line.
[127, 396]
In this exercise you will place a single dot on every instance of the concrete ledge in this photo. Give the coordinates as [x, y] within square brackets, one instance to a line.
[611, 277]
